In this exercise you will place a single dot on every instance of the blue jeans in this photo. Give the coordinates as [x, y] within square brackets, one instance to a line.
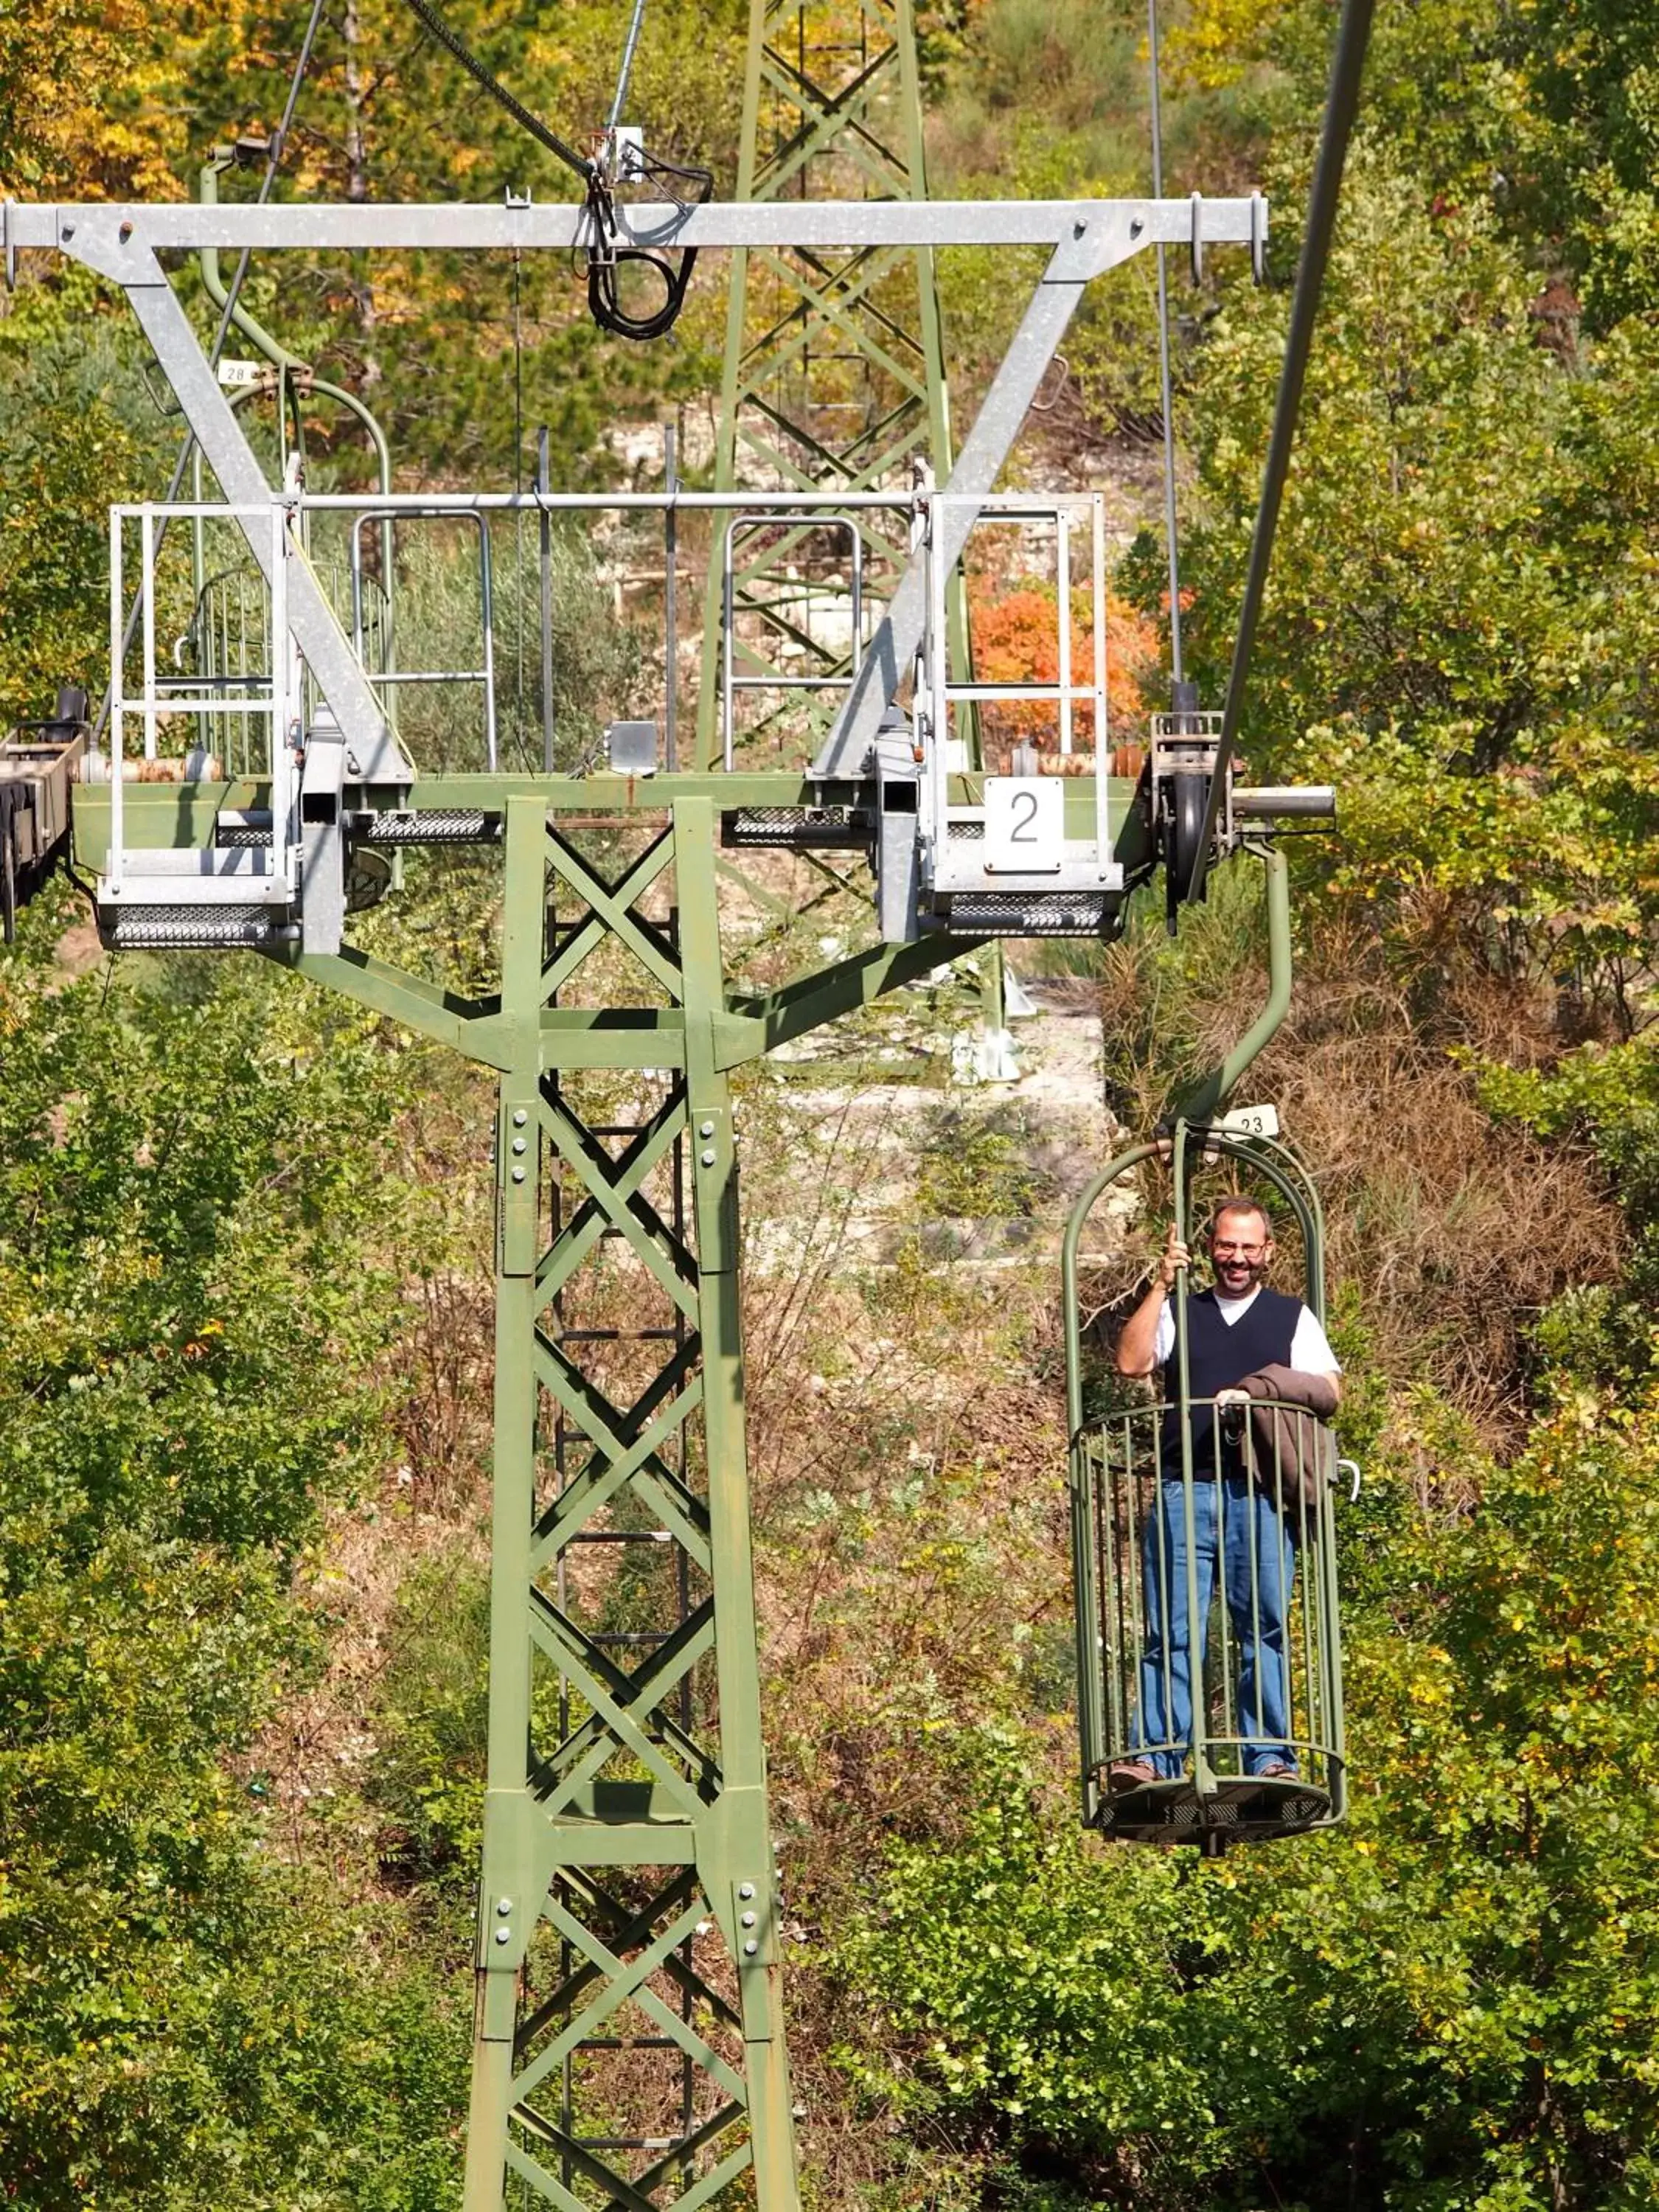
[1258, 1616]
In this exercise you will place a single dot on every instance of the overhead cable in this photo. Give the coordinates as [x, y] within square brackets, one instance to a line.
[1165, 398]
[498, 92]
[605, 255]
[1342, 103]
[630, 47]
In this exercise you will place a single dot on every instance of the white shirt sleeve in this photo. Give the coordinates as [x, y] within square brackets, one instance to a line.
[1164, 1343]
[1310, 1350]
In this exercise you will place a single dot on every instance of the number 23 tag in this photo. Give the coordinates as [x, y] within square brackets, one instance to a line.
[1024, 825]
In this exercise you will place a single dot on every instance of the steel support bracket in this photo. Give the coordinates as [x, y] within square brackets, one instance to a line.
[322, 837]
[516, 1152]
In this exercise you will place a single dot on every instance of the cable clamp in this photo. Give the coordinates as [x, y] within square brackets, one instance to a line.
[601, 217]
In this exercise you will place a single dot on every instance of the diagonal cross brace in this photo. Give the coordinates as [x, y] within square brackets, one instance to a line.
[1103, 237]
[610, 909]
[628, 1926]
[327, 650]
[620, 1983]
[567, 1769]
[556, 1636]
[649, 1237]
[601, 1479]
[893, 650]
[635, 1976]
[680, 1510]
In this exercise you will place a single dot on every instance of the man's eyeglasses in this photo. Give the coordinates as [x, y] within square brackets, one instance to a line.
[1225, 1250]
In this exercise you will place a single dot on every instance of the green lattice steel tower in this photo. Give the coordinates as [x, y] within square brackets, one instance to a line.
[626, 1832]
[834, 364]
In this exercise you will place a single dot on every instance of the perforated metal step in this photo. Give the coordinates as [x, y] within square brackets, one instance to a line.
[191, 928]
[1249, 1808]
[798, 828]
[1030, 913]
[457, 825]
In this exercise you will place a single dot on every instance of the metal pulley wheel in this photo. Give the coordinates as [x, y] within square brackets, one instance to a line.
[1183, 835]
[368, 877]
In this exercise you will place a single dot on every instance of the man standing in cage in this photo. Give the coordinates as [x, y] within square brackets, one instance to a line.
[1238, 1333]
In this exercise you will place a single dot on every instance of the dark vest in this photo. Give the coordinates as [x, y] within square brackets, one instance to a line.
[1219, 1355]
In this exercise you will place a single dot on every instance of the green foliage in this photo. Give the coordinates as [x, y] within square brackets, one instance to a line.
[1159, 992]
[977, 1166]
[1606, 1097]
[387, 114]
[75, 433]
[182, 1166]
[1458, 609]
[1543, 115]
[596, 659]
[1452, 2004]
[431, 1719]
[189, 1162]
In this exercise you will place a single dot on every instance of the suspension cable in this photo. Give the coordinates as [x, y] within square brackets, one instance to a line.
[1341, 102]
[273, 161]
[1165, 398]
[626, 70]
[604, 256]
[498, 92]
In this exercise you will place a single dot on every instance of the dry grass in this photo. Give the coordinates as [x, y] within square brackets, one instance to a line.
[1453, 1231]
[1445, 1233]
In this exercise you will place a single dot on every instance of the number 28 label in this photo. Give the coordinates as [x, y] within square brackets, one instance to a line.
[1024, 825]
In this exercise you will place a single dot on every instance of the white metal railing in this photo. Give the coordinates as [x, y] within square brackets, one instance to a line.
[1018, 810]
[969, 845]
[261, 877]
[383, 678]
[773, 680]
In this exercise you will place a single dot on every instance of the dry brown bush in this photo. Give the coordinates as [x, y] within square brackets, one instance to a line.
[1451, 1231]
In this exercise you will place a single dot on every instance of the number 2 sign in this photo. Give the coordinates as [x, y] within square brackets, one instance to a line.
[1024, 825]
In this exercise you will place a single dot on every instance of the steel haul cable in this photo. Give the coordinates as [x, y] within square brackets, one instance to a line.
[1341, 102]
[1165, 400]
[498, 92]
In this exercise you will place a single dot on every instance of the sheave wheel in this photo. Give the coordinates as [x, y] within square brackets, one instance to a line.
[1184, 834]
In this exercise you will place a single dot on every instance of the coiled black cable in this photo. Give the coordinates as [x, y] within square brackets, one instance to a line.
[604, 256]
[604, 298]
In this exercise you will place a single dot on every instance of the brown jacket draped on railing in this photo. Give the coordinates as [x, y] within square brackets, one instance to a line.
[1289, 1456]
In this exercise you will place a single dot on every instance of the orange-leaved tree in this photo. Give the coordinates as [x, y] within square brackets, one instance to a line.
[1016, 640]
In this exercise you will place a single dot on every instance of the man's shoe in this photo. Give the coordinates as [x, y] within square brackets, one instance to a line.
[1127, 1774]
[1275, 1770]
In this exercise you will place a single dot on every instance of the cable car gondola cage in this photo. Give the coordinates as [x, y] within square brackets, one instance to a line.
[1178, 1546]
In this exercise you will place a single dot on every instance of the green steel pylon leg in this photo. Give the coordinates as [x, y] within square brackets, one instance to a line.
[628, 1899]
[505, 1880]
[738, 1869]
[834, 363]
